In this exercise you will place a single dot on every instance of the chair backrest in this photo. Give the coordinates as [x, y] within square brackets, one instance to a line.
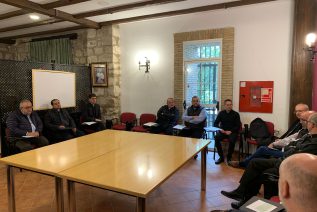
[128, 117]
[270, 127]
[147, 117]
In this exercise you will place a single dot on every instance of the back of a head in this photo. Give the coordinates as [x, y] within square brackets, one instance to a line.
[299, 171]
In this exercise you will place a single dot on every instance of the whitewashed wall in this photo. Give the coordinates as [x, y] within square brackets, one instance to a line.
[263, 37]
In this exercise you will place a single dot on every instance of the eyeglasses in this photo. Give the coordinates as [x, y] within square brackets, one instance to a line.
[298, 111]
[28, 107]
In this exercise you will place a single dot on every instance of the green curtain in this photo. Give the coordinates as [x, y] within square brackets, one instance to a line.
[48, 50]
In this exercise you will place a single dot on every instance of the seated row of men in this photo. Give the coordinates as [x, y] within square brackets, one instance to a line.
[267, 160]
[26, 126]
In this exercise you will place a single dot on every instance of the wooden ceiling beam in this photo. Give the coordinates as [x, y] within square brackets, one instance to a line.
[36, 34]
[124, 7]
[23, 26]
[46, 6]
[34, 7]
[186, 11]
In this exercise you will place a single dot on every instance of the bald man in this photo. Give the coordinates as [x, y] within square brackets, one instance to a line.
[252, 178]
[298, 183]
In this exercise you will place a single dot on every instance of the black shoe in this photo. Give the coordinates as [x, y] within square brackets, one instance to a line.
[237, 205]
[220, 160]
[195, 157]
[232, 195]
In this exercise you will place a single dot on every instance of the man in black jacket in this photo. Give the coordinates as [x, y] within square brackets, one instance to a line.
[60, 124]
[252, 178]
[91, 113]
[25, 127]
[167, 117]
[229, 122]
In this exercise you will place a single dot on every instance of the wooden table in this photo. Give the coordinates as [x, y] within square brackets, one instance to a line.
[125, 162]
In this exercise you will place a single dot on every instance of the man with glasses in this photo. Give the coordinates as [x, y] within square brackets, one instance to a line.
[276, 149]
[252, 177]
[25, 128]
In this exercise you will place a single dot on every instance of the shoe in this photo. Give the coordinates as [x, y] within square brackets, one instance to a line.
[195, 157]
[220, 160]
[237, 205]
[233, 195]
[234, 164]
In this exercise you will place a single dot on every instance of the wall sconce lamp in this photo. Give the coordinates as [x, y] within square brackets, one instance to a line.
[310, 42]
[145, 63]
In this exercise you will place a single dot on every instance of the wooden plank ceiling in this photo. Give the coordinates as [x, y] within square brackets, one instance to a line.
[66, 15]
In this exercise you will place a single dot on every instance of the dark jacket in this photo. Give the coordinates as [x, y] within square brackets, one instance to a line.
[19, 124]
[228, 121]
[53, 120]
[195, 111]
[91, 112]
[167, 117]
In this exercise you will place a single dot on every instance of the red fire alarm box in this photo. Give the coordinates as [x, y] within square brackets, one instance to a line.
[256, 96]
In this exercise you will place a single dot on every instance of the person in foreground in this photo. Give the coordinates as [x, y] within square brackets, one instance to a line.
[297, 183]
[25, 127]
[252, 178]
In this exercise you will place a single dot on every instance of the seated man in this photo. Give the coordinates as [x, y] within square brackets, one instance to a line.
[273, 150]
[195, 119]
[92, 113]
[297, 183]
[296, 126]
[229, 122]
[59, 123]
[167, 117]
[252, 177]
[26, 122]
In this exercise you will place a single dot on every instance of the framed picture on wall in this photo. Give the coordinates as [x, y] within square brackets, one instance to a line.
[99, 74]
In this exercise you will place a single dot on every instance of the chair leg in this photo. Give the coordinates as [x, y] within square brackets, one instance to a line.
[214, 150]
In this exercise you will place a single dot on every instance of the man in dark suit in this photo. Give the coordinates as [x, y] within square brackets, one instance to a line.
[60, 124]
[91, 113]
[25, 127]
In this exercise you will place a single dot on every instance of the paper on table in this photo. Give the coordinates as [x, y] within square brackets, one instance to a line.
[261, 206]
[27, 136]
[212, 129]
[89, 122]
[98, 120]
[150, 124]
[179, 127]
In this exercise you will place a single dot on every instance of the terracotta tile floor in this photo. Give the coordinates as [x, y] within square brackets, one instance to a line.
[181, 192]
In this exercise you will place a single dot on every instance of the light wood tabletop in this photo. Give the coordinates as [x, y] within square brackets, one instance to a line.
[141, 162]
[61, 156]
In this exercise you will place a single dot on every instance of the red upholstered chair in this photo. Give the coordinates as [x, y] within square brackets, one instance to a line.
[250, 141]
[239, 139]
[275, 199]
[124, 118]
[144, 118]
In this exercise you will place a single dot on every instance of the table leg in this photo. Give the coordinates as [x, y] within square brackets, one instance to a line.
[59, 194]
[10, 181]
[203, 168]
[71, 196]
[140, 207]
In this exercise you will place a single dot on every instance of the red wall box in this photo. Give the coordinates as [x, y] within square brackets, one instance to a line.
[256, 96]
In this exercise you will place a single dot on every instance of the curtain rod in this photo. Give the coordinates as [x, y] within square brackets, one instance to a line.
[72, 36]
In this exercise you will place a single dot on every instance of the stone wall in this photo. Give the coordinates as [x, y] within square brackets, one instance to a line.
[99, 46]
[91, 46]
[5, 52]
